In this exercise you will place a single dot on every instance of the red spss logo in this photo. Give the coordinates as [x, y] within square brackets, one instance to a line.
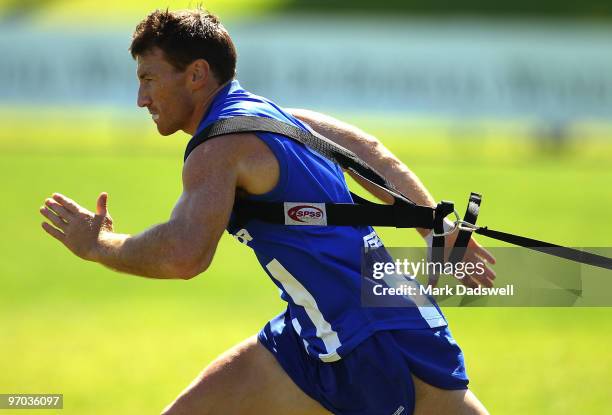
[305, 213]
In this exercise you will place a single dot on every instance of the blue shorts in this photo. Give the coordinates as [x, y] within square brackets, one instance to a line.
[374, 378]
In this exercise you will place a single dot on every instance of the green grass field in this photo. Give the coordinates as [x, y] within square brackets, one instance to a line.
[117, 344]
[92, 14]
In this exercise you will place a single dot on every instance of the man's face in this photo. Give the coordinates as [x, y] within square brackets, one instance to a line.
[164, 92]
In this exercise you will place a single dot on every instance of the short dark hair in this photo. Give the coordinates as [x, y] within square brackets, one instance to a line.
[185, 36]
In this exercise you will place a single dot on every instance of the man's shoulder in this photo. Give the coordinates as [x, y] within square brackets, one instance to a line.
[243, 154]
[230, 148]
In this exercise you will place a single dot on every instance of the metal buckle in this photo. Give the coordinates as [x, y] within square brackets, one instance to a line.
[455, 226]
[467, 226]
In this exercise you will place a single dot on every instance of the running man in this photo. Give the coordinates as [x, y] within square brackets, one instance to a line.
[325, 353]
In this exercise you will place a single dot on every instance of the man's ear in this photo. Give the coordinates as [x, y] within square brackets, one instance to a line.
[198, 74]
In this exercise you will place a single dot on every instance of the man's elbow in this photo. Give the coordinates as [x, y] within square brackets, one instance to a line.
[188, 266]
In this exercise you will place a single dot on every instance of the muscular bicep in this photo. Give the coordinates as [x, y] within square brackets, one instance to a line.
[204, 207]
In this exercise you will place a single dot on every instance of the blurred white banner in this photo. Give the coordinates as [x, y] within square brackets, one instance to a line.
[553, 71]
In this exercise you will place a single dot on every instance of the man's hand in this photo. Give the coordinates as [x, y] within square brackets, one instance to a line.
[76, 227]
[477, 255]
[183, 246]
[474, 254]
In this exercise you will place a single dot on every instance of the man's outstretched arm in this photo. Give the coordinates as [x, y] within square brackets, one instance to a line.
[374, 153]
[182, 247]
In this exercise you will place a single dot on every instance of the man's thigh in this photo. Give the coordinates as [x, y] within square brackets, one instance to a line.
[430, 400]
[245, 380]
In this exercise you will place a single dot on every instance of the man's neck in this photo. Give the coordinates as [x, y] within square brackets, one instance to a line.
[201, 109]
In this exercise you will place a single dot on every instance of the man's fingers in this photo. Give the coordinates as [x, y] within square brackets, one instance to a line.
[482, 274]
[58, 209]
[483, 280]
[476, 249]
[487, 277]
[55, 220]
[483, 269]
[53, 232]
[66, 202]
[489, 273]
[469, 282]
[484, 254]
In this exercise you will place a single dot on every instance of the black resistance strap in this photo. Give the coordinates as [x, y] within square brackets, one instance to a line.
[464, 235]
[403, 213]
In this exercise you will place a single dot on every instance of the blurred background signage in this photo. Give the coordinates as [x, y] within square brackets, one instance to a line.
[469, 68]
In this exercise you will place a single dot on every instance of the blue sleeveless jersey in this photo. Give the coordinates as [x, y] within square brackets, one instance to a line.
[316, 268]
